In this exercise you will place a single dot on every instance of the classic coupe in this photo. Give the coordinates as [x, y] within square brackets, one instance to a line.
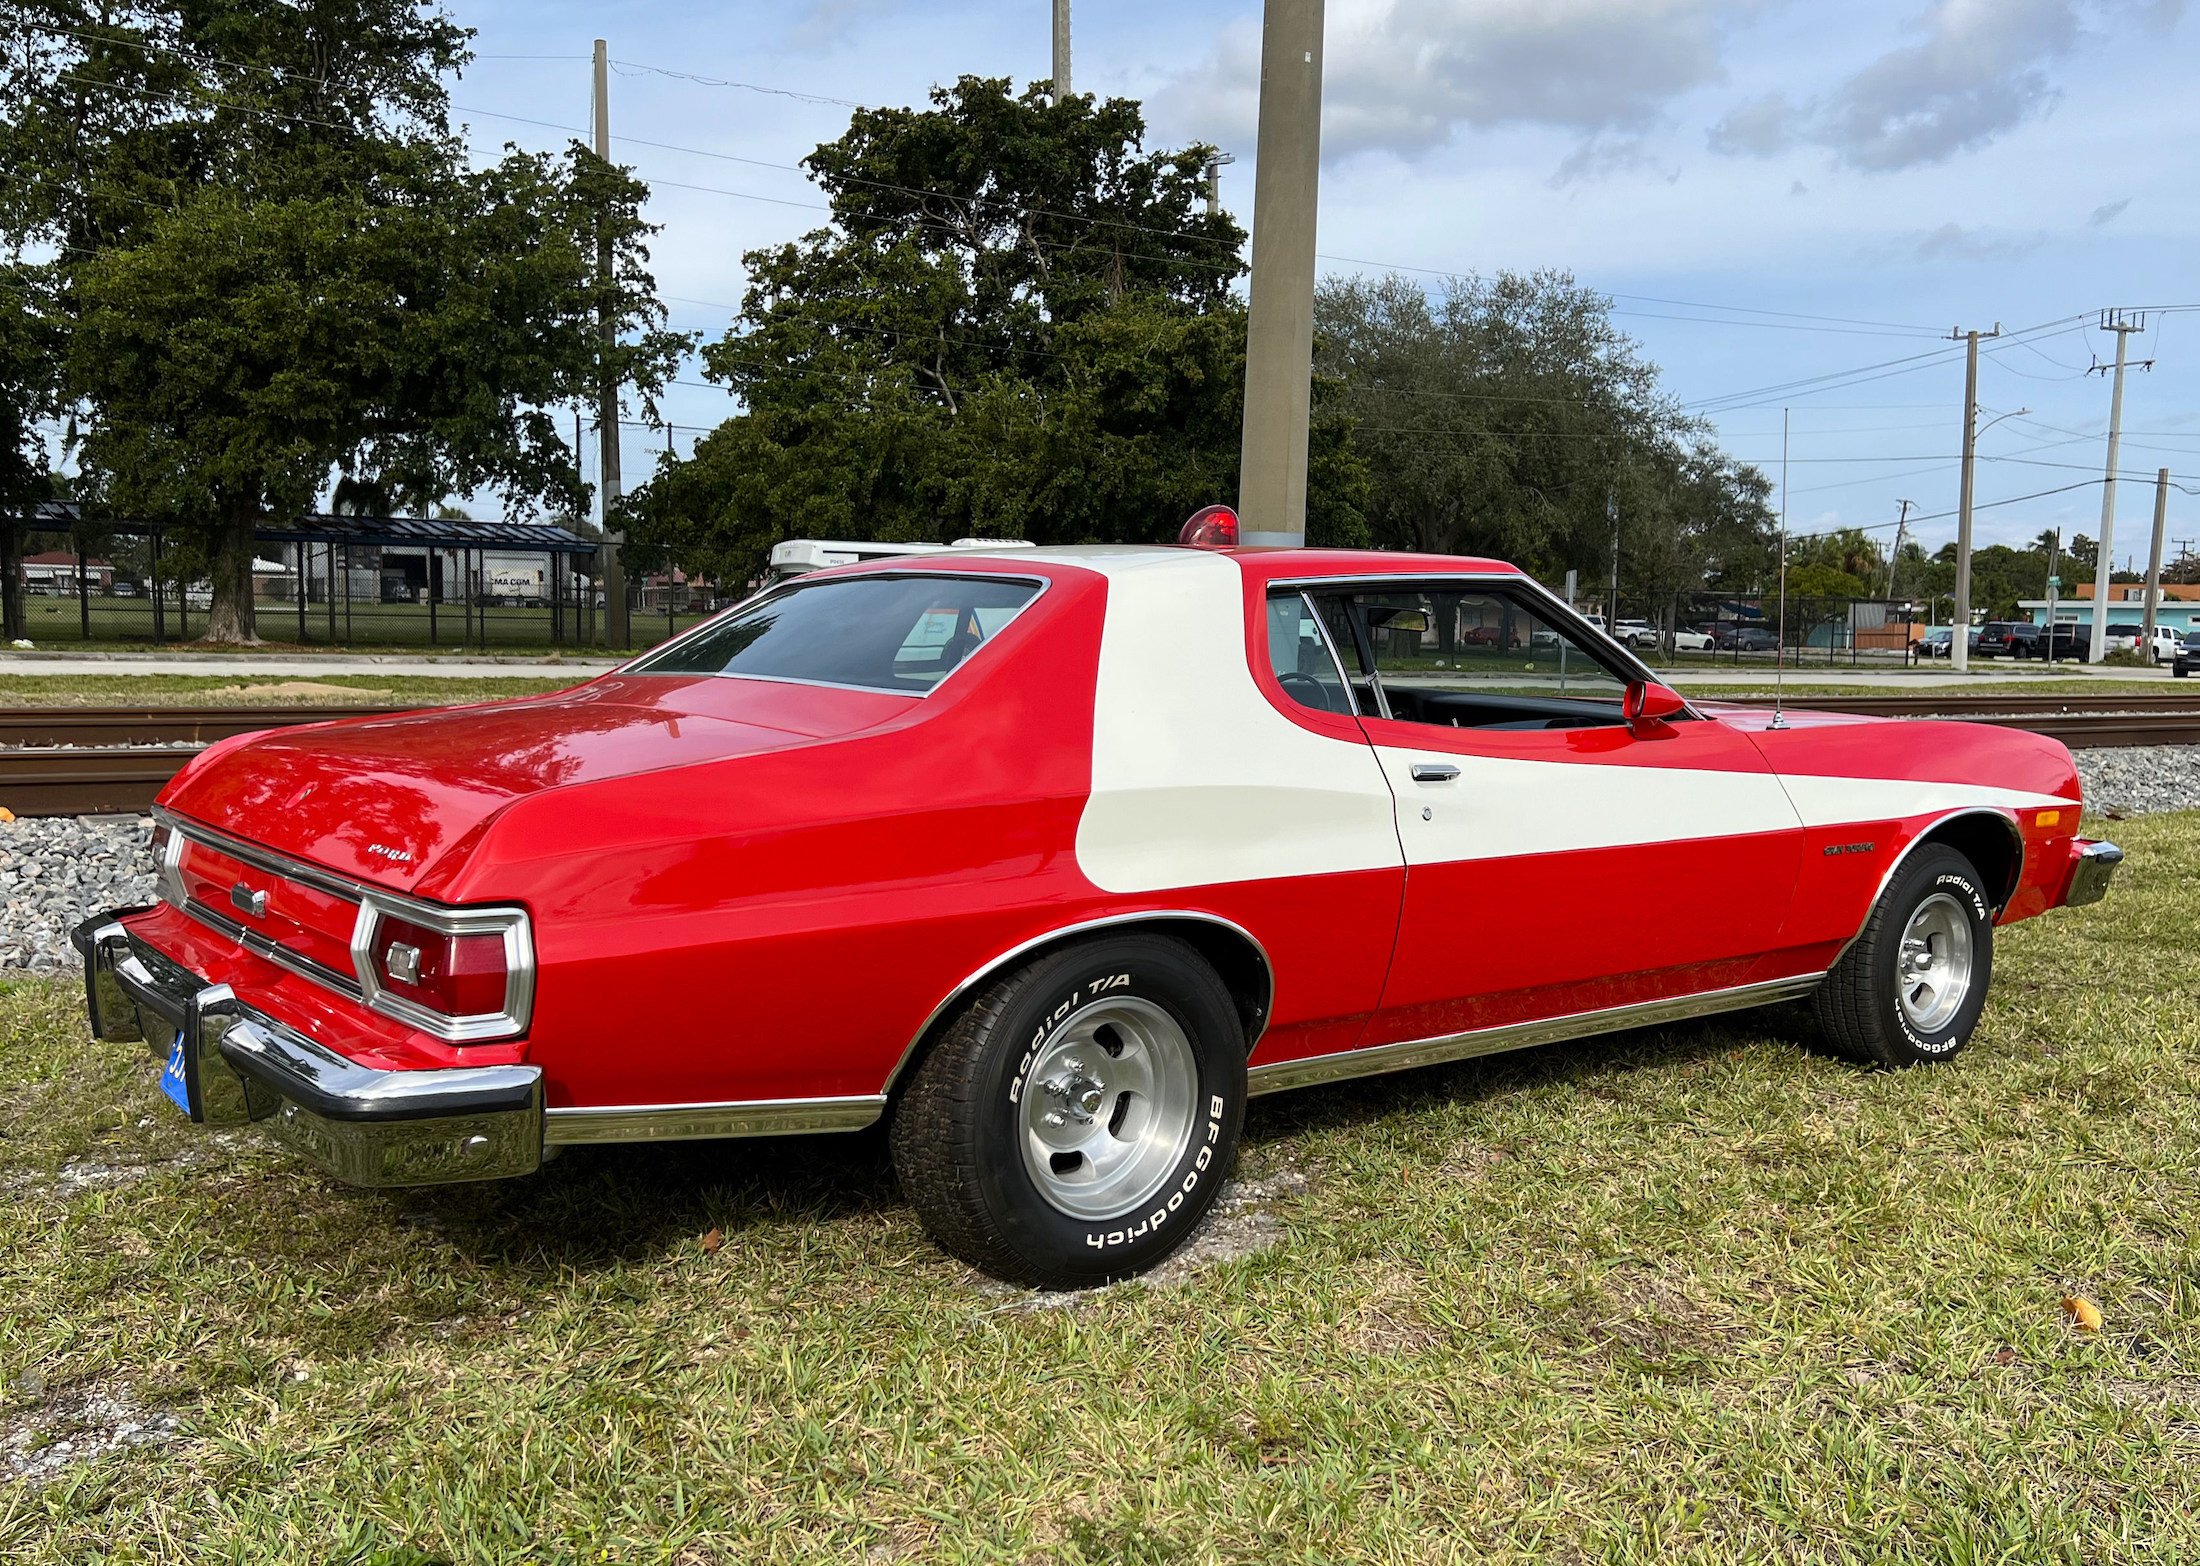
[1048, 859]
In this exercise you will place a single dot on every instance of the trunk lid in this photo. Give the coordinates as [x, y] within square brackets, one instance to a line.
[383, 799]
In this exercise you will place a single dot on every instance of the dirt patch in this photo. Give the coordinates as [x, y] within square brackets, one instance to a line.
[294, 690]
[80, 1425]
[1243, 1222]
[1390, 1323]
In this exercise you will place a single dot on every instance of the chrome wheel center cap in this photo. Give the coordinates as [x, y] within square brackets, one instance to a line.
[1081, 1094]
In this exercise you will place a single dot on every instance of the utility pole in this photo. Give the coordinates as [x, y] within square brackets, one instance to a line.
[1061, 50]
[1215, 166]
[2154, 560]
[1611, 515]
[1279, 347]
[1959, 634]
[607, 397]
[2104, 563]
[1901, 531]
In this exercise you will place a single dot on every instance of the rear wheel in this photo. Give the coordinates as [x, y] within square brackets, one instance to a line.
[1075, 1121]
[1909, 991]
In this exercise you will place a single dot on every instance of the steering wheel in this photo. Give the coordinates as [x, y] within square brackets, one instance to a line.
[1306, 691]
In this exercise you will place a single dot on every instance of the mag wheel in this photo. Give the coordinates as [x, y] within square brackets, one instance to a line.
[1910, 989]
[1074, 1123]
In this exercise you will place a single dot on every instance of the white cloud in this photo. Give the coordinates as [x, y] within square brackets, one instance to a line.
[1403, 75]
[1978, 69]
[1954, 242]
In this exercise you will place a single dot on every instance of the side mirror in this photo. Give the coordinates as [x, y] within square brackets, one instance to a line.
[1648, 706]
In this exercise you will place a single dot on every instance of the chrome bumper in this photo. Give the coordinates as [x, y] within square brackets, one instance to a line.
[234, 1066]
[2092, 868]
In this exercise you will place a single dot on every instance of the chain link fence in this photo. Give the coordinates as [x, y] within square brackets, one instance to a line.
[1751, 630]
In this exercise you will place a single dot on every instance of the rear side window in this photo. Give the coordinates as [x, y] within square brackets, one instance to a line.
[881, 633]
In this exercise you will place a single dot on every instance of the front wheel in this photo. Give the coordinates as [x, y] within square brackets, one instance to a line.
[1909, 990]
[1076, 1120]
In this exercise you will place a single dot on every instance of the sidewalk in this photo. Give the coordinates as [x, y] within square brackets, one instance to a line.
[296, 667]
[1982, 675]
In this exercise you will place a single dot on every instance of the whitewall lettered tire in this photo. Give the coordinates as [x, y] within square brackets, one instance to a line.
[1074, 1122]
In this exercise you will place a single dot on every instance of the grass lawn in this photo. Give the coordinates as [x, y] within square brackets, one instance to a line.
[1693, 1294]
[270, 690]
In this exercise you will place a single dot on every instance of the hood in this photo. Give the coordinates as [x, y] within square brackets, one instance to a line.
[382, 799]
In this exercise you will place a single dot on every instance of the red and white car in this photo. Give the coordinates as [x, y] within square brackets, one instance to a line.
[1049, 858]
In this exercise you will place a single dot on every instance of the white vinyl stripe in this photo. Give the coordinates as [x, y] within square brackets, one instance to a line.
[1197, 780]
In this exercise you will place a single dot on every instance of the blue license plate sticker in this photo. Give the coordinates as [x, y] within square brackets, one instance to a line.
[172, 1080]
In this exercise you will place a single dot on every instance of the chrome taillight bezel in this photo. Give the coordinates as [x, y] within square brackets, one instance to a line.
[477, 1028]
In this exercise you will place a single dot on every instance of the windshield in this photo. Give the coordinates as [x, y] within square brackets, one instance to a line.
[882, 633]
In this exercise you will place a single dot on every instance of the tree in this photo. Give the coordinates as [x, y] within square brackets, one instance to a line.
[1508, 416]
[29, 385]
[1020, 324]
[277, 266]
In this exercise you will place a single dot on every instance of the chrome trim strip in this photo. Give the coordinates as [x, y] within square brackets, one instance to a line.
[1336, 659]
[260, 946]
[1148, 916]
[861, 569]
[263, 858]
[1286, 1074]
[690, 1122]
[2015, 832]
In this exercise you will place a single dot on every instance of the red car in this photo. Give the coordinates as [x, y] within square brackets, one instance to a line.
[1049, 859]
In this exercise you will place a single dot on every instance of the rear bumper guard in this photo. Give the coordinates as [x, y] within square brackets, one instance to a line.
[2092, 868]
[230, 1065]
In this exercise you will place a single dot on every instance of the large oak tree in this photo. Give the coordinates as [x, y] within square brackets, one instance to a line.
[1020, 323]
[273, 265]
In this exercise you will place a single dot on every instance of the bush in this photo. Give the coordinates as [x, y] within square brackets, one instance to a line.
[2127, 658]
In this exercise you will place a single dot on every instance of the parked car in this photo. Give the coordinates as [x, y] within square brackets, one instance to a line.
[1746, 638]
[2065, 639]
[1685, 640]
[1994, 638]
[1935, 643]
[2165, 643]
[2188, 655]
[1049, 859]
[1635, 633]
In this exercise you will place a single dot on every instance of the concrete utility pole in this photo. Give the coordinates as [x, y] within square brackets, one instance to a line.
[1279, 348]
[2154, 560]
[1215, 166]
[1061, 50]
[2104, 564]
[607, 398]
[1959, 635]
[1894, 558]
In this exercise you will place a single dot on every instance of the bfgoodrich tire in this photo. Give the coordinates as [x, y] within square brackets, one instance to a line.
[1909, 991]
[1076, 1120]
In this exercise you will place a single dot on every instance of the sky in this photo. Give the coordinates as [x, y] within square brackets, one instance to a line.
[1791, 202]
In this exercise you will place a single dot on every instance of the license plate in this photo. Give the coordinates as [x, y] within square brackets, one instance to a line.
[173, 1082]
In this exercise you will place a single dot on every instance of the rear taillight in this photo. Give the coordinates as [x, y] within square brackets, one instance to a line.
[463, 974]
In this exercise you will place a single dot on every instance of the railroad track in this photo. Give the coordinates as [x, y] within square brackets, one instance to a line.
[73, 761]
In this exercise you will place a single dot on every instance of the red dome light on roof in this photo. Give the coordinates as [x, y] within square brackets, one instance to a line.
[1211, 527]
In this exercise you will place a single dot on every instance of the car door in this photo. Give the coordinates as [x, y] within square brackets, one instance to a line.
[1559, 859]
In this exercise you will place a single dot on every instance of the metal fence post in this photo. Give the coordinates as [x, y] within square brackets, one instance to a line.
[301, 592]
[83, 589]
[159, 591]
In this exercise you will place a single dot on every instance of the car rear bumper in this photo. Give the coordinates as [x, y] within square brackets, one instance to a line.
[2092, 868]
[231, 1065]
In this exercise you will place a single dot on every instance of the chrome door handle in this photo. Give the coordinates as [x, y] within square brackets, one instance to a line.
[1434, 772]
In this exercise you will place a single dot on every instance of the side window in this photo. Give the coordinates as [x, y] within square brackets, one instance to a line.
[1300, 657]
[1478, 658]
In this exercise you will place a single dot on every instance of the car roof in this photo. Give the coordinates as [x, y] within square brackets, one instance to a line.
[1260, 565]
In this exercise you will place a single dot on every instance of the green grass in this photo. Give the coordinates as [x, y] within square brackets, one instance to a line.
[1694, 1294]
[271, 690]
[56, 624]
